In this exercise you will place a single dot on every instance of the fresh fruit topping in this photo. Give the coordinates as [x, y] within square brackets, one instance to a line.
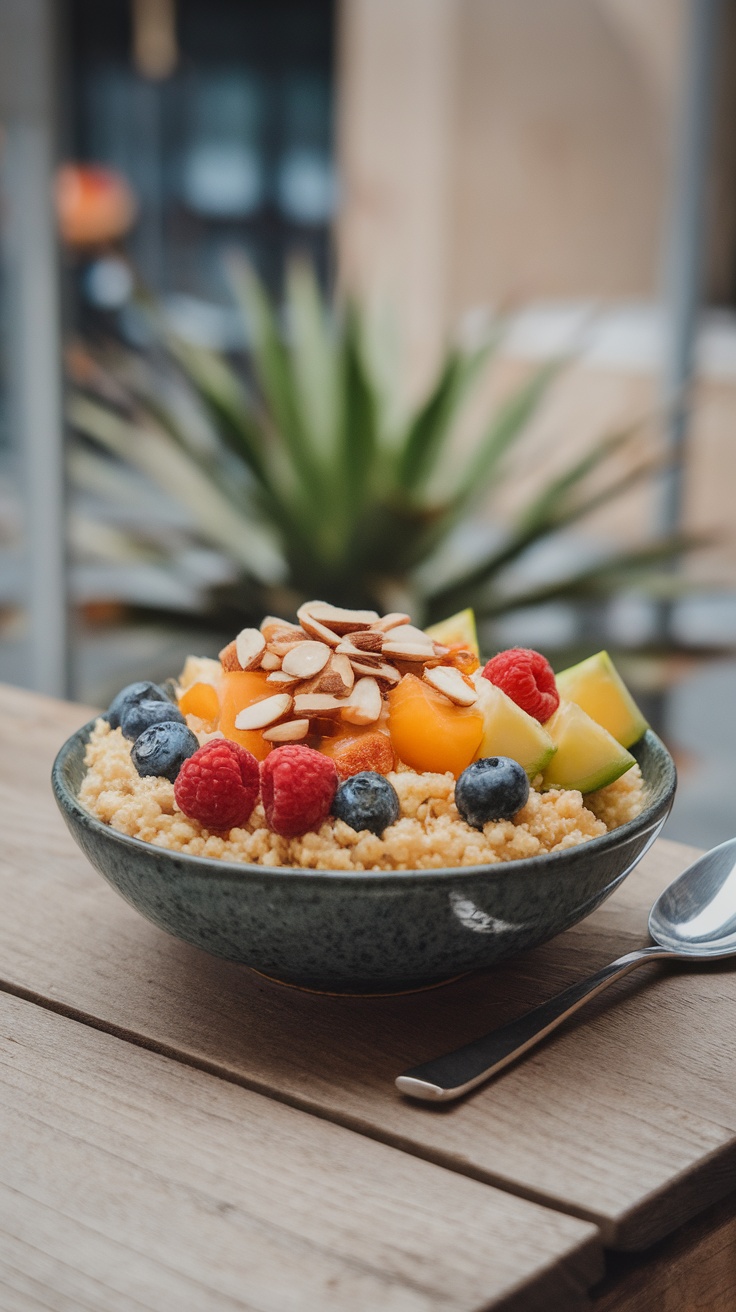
[596, 685]
[367, 801]
[298, 785]
[494, 788]
[527, 678]
[428, 732]
[218, 785]
[509, 731]
[142, 715]
[457, 631]
[451, 682]
[261, 714]
[200, 700]
[130, 696]
[587, 757]
[162, 749]
[370, 750]
[239, 689]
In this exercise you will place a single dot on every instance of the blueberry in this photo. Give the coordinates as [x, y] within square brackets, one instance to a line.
[367, 801]
[494, 788]
[163, 748]
[130, 696]
[142, 715]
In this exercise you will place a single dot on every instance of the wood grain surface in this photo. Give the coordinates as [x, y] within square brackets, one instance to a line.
[627, 1117]
[130, 1180]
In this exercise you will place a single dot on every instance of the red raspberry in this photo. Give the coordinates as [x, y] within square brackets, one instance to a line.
[527, 678]
[218, 785]
[297, 788]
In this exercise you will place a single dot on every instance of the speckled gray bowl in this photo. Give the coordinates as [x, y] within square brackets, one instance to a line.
[363, 932]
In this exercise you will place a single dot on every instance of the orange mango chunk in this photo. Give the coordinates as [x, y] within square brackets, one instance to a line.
[241, 688]
[200, 699]
[356, 751]
[428, 732]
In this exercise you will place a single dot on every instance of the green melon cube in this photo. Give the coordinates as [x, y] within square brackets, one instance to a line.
[509, 731]
[596, 686]
[587, 757]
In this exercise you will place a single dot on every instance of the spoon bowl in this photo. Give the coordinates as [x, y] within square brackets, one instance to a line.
[693, 919]
[695, 916]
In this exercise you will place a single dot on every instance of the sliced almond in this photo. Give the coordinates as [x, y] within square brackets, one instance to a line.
[338, 618]
[250, 645]
[278, 676]
[270, 661]
[271, 625]
[306, 659]
[364, 705]
[391, 621]
[317, 703]
[410, 633]
[387, 673]
[407, 651]
[367, 640]
[449, 681]
[267, 711]
[313, 626]
[341, 668]
[229, 658]
[288, 732]
[285, 642]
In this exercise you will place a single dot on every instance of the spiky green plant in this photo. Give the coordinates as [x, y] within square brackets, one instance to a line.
[300, 471]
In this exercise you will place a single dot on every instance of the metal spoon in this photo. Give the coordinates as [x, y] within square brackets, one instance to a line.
[694, 919]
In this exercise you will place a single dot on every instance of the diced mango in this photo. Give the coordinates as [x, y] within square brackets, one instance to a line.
[201, 699]
[240, 688]
[360, 749]
[428, 732]
[596, 686]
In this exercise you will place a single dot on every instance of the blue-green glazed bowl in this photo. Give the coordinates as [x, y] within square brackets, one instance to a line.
[363, 932]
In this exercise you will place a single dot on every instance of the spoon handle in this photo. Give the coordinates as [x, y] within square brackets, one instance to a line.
[454, 1074]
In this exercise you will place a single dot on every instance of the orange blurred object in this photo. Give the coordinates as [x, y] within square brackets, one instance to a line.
[462, 658]
[356, 751]
[94, 205]
[201, 699]
[428, 732]
[240, 689]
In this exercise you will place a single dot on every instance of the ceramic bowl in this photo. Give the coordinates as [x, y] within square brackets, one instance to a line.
[365, 932]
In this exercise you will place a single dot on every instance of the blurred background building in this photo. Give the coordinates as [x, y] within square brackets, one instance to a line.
[572, 162]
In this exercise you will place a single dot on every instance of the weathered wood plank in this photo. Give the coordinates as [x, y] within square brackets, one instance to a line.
[128, 1180]
[627, 1117]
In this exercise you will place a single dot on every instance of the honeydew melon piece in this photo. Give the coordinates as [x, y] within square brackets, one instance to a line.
[587, 756]
[509, 731]
[458, 628]
[597, 687]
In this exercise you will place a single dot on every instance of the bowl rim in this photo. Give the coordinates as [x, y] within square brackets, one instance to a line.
[546, 863]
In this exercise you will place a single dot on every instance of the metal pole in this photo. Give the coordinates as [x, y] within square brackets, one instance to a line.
[34, 376]
[683, 281]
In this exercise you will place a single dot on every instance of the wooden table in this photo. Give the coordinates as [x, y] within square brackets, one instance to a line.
[180, 1133]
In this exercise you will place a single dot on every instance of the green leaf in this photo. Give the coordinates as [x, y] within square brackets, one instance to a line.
[431, 426]
[315, 358]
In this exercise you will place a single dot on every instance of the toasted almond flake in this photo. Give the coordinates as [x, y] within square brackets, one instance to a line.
[267, 711]
[313, 626]
[410, 633]
[288, 732]
[317, 703]
[364, 705]
[367, 640]
[449, 681]
[278, 676]
[229, 658]
[340, 665]
[285, 642]
[249, 646]
[391, 621]
[407, 651]
[272, 622]
[387, 673]
[306, 659]
[270, 661]
[338, 619]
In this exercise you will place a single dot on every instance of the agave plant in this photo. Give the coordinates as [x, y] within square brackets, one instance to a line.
[301, 469]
